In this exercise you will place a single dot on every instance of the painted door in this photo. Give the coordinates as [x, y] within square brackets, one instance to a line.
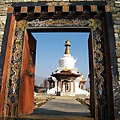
[91, 76]
[26, 103]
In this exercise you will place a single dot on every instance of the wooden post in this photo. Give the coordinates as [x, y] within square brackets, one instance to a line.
[70, 86]
[61, 85]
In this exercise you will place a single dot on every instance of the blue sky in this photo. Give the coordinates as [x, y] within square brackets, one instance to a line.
[50, 48]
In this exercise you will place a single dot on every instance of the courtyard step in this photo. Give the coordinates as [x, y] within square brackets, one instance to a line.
[47, 117]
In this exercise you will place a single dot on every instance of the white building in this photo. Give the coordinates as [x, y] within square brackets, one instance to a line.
[66, 81]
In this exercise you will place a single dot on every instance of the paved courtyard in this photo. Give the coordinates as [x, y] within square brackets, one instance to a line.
[61, 108]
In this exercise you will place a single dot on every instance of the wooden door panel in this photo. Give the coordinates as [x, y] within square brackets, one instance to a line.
[27, 75]
[91, 76]
[6, 62]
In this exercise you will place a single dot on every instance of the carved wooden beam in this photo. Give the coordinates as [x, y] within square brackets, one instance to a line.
[107, 8]
[65, 8]
[94, 8]
[51, 8]
[58, 10]
[10, 10]
[79, 8]
[37, 9]
[24, 10]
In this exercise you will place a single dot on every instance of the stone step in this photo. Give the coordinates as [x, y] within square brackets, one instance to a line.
[67, 93]
[48, 117]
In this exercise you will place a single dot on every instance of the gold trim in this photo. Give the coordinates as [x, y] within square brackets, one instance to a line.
[66, 69]
[67, 49]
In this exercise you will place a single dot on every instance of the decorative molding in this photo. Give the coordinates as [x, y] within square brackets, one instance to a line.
[24, 10]
[94, 8]
[37, 9]
[65, 8]
[45, 10]
[51, 8]
[10, 10]
[79, 8]
[107, 8]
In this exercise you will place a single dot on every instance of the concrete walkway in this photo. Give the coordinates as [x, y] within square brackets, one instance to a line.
[60, 108]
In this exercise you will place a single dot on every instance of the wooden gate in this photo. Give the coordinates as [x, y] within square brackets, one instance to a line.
[26, 102]
[18, 73]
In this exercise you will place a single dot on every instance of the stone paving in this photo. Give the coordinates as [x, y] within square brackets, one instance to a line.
[61, 108]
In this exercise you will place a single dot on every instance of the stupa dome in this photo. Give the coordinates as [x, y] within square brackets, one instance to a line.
[67, 61]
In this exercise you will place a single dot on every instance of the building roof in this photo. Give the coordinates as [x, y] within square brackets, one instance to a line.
[83, 79]
[65, 75]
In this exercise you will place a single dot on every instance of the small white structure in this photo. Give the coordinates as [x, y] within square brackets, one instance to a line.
[67, 80]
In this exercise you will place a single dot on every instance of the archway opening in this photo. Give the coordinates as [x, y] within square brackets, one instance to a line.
[50, 48]
[47, 42]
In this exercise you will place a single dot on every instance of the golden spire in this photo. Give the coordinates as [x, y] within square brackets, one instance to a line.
[67, 49]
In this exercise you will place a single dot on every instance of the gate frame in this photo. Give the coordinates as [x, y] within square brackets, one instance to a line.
[110, 54]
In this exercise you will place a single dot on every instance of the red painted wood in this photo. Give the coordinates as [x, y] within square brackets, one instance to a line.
[91, 76]
[5, 69]
[27, 82]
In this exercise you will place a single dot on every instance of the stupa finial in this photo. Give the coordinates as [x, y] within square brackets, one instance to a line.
[67, 49]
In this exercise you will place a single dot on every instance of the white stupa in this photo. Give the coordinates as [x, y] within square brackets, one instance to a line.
[67, 62]
[67, 80]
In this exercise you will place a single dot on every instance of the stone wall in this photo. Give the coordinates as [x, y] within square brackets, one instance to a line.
[116, 23]
[3, 16]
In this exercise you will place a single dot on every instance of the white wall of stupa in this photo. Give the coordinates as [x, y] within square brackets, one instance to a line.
[66, 63]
